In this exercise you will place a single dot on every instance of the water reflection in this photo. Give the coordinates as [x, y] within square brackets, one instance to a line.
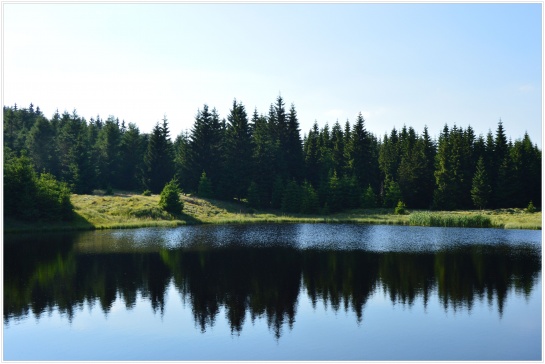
[263, 270]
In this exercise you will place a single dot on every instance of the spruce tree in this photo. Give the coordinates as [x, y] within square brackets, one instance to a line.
[291, 199]
[205, 149]
[480, 190]
[238, 153]
[294, 147]
[263, 157]
[358, 152]
[159, 159]
[205, 186]
[312, 156]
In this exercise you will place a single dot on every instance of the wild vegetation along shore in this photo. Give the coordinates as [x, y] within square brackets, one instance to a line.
[128, 210]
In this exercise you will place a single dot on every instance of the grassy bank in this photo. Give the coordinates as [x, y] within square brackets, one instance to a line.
[127, 210]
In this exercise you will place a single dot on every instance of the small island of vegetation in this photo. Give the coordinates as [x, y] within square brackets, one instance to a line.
[67, 173]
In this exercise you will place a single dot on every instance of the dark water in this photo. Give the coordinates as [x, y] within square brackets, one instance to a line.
[274, 292]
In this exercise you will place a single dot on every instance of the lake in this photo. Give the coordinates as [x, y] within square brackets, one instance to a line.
[274, 292]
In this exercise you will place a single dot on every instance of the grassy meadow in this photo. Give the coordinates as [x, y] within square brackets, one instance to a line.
[129, 210]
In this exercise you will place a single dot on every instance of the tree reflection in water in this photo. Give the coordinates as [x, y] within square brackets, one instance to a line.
[264, 280]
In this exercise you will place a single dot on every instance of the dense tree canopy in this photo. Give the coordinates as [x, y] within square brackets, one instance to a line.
[264, 160]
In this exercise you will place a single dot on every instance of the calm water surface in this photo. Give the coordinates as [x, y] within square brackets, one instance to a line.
[274, 292]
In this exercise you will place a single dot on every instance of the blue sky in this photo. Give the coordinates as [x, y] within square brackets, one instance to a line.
[413, 64]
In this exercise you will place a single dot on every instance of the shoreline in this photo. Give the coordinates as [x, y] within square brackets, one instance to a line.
[127, 211]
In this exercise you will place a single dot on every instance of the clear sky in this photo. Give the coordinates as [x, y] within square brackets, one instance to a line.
[412, 64]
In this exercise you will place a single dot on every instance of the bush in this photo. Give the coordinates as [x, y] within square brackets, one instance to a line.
[400, 208]
[531, 208]
[146, 193]
[31, 197]
[170, 198]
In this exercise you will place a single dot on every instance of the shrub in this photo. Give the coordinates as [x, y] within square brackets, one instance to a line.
[400, 208]
[531, 208]
[170, 198]
[146, 193]
[28, 196]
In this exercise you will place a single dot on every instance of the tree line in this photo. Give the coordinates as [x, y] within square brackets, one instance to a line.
[263, 159]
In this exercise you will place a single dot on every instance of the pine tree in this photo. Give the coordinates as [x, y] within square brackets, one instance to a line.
[108, 146]
[40, 144]
[312, 156]
[238, 153]
[205, 186]
[253, 195]
[335, 196]
[132, 151]
[263, 157]
[291, 199]
[205, 149]
[480, 190]
[294, 147]
[309, 199]
[338, 146]
[181, 159]
[159, 159]
[369, 198]
[358, 152]
[170, 198]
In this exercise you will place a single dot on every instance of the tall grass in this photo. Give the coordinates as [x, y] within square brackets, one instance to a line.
[427, 218]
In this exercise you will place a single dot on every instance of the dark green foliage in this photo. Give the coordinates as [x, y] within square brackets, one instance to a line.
[309, 199]
[108, 147]
[531, 208]
[480, 192]
[132, 147]
[205, 186]
[146, 193]
[170, 198]
[253, 195]
[312, 164]
[291, 199]
[392, 194]
[53, 199]
[335, 196]
[205, 148]
[358, 152]
[31, 197]
[238, 153]
[369, 199]
[277, 193]
[159, 158]
[294, 147]
[263, 156]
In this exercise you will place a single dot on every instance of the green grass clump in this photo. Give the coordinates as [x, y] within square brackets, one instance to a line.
[449, 220]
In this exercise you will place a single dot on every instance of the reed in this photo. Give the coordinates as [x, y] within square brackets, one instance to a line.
[427, 218]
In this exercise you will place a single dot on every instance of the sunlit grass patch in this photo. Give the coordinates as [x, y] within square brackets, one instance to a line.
[129, 210]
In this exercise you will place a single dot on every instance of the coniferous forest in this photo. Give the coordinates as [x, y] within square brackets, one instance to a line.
[262, 158]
